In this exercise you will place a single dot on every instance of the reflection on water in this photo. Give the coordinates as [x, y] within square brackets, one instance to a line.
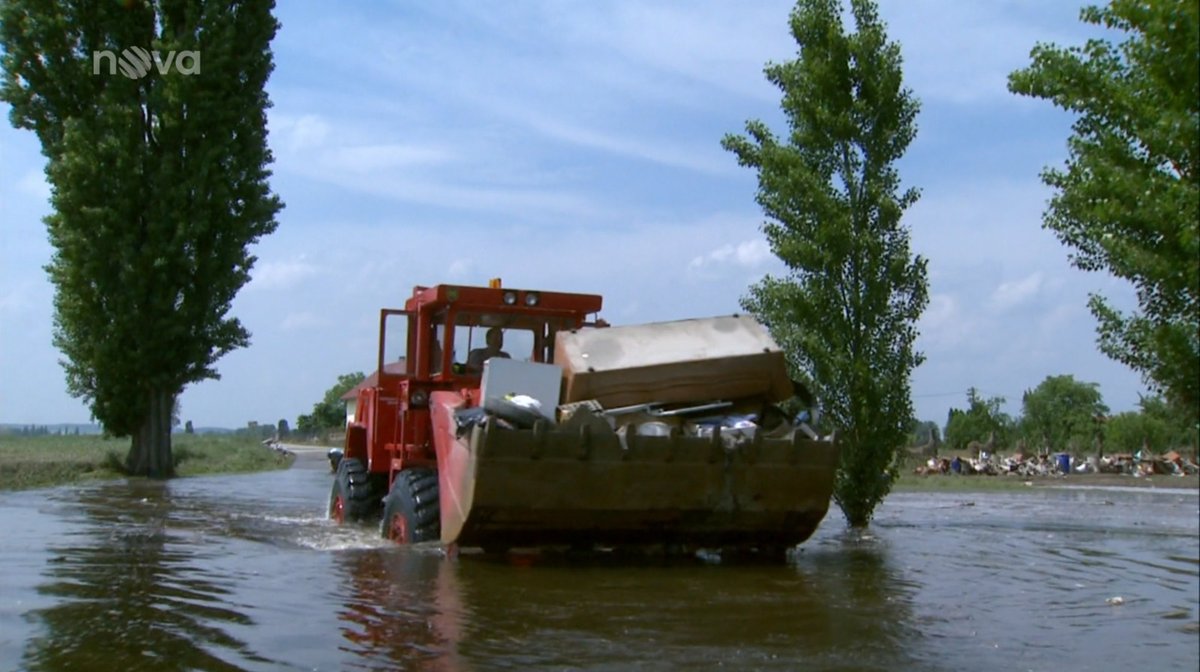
[244, 573]
[869, 602]
[401, 607]
[423, 611]
[130, 594]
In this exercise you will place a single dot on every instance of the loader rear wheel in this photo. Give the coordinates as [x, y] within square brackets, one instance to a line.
[411, 512]
[355, 494]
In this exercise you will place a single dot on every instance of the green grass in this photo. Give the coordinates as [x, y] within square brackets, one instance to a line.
[910, 482]
[43, 461]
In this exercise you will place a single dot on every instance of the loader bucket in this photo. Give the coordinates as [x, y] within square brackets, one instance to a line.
[580, 483]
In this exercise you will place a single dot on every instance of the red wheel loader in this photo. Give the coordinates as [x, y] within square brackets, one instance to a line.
[562, 430]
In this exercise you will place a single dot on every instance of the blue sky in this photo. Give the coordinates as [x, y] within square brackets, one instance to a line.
[575, 146]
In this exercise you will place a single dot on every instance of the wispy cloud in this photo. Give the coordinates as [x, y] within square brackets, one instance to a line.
[374, 158]
[447, 194]
[706, 158]
[977, 44]
[294, 134]
[747, 254]
[1016, 292]
[283, 275]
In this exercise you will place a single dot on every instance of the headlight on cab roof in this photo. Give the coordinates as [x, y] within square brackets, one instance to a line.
[418, 398]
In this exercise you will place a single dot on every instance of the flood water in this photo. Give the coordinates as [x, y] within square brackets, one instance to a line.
[244, 573]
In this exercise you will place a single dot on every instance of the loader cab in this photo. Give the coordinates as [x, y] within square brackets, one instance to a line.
[528, 338]
[448, 322]
[423, 350]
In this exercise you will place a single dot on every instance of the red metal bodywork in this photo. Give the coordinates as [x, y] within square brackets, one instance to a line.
[392, 428]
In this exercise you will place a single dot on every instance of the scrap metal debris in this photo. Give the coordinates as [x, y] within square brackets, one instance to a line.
[1136, 464]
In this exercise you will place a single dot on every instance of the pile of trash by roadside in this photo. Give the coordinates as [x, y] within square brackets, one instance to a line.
[274, 444]
[1132, 464]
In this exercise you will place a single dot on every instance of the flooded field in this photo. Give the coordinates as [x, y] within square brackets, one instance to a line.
[244, 573]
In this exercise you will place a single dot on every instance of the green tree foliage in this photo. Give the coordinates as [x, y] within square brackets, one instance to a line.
[1157, 426]
[330, 411]
[1128, 201]
[1130, 431]
[926, 432]
[846, 310]
[981, 420]
[256, 430]
[1062, 413]
[1182, 429]
[159, 186]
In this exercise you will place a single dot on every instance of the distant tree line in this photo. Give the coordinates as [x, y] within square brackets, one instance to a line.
[256, 430]
[330, 412]
[40, 430]
[1063, 414]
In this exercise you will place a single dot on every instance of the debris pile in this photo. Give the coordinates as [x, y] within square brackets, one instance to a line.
[1018, 464]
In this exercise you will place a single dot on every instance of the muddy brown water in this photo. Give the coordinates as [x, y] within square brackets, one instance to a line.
[244, 573]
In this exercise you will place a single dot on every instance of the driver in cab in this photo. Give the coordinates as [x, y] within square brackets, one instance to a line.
[495, 345]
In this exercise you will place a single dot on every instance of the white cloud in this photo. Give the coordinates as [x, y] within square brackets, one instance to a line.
[746, 254]
[973, 219]
[298, 133]
[282, 275]
[418, 187]
[963, 52]
[698, 159]
[1016, 292]
[708, 44]
[944, 324]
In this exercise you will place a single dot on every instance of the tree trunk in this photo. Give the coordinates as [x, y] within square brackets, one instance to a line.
[150, 452]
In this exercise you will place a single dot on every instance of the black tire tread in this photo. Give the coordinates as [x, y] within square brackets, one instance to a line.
[359, 490]
[415, 495]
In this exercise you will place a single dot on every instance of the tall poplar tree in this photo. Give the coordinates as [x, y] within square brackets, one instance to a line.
[152, 118]
[845, 312]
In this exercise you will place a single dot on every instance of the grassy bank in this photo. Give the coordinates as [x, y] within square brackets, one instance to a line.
[910, 482]
[43, 461]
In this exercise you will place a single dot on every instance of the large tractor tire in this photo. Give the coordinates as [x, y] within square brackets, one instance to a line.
[355, 495]
[411, 512]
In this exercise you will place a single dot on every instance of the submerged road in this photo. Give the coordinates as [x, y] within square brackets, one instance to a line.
[245, 573]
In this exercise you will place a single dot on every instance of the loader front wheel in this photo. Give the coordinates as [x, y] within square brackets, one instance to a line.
[355, 494]
[411, 512]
